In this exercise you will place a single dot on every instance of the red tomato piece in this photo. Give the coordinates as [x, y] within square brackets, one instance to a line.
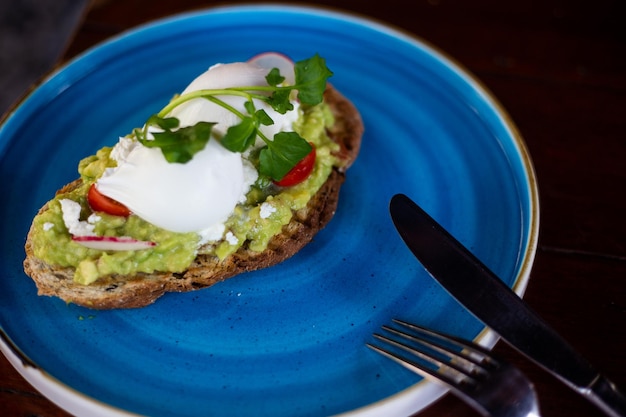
[100, 202]
[300, 171]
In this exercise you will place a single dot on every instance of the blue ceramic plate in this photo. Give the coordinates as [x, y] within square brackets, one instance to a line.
[290, 340]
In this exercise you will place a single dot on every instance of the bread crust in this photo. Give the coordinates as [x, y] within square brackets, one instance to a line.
[141, 289]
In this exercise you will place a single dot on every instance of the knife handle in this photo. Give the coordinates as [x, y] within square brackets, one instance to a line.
[606, 396]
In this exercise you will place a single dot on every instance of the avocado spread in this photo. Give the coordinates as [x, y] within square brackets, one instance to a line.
[267, 209]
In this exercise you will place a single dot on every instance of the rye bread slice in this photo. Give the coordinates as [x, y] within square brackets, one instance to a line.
[141, 289]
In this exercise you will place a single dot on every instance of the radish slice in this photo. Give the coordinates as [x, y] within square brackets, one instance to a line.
[112, 243]
[271, 60]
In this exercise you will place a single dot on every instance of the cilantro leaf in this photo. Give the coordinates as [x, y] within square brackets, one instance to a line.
[282, 154]
[311, 75]
[182, 144]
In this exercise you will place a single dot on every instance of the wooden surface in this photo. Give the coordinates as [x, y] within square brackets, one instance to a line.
[559, 68]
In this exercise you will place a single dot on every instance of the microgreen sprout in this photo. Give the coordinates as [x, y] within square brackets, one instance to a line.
[279, 154]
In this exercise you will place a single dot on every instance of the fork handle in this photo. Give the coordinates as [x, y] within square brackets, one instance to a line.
[604, 394]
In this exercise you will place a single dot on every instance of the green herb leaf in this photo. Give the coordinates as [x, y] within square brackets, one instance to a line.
[241, 136]
[263, 118]
[311, 75]
[274, 77]
[249, 106]
[279, 100]
[282, 154]
[181, 145]
[165, 123]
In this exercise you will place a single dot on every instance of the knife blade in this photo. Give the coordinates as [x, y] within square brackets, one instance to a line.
[488, 298]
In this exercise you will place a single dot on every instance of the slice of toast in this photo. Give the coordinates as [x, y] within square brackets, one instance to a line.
[141, 289]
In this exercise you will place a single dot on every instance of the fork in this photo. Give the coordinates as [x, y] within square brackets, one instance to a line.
[492, 387]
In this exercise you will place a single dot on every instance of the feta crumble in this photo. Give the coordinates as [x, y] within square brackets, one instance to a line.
[211, 234]
[93, 218]
[266, 210]
[231, 238]
[71, 215]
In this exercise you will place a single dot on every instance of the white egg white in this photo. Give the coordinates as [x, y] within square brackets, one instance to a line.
[178, 197]
[202, 193]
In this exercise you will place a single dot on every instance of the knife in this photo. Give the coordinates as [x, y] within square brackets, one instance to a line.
[479, 290]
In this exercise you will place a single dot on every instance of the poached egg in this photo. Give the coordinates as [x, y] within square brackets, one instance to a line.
[197, 196]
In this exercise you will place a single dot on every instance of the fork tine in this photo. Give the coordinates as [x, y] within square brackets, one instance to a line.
[424, 350]
[429, 362]
[449, 359]
[412, 365]
[493, 388]
[441, 342]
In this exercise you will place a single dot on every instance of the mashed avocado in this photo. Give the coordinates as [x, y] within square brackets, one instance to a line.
[267, 210]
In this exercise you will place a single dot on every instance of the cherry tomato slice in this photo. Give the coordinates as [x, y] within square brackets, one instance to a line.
[300, 171]
[100, 202]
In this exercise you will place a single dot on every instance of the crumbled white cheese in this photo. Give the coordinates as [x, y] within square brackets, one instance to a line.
[93, 218]
[211, 234]
[47, 226]
[231, 238]
[266, 210]
[71, 215]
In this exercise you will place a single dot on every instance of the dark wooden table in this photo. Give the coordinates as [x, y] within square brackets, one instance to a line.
[559, 68]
